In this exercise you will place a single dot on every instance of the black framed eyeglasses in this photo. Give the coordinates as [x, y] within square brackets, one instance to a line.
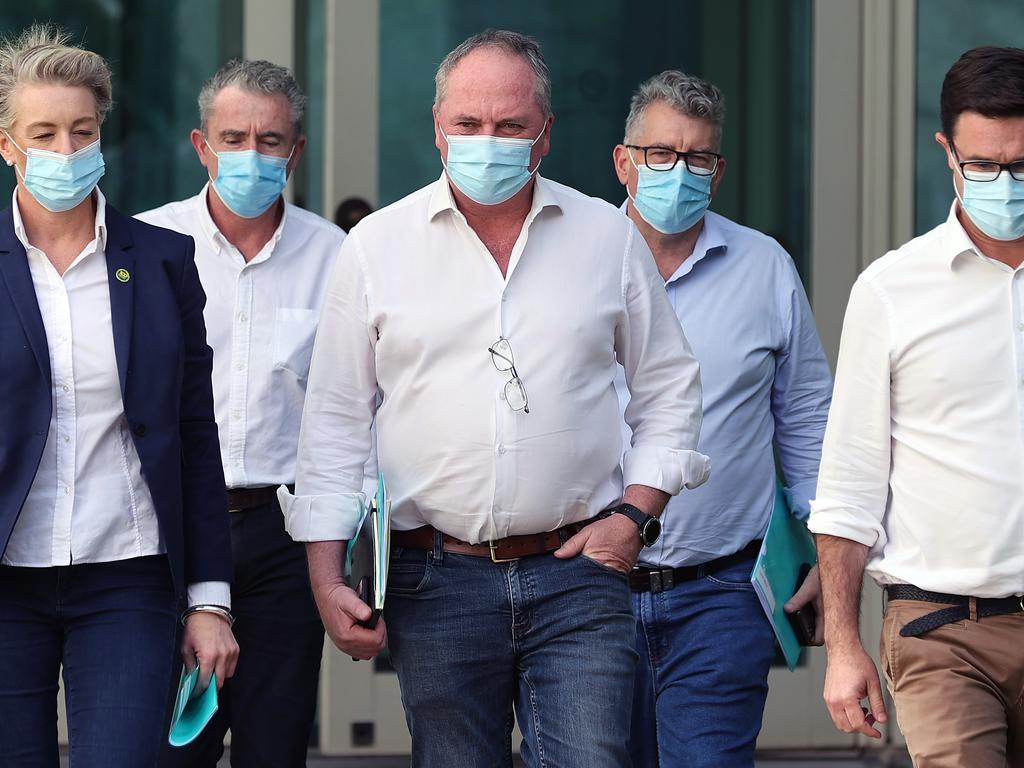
[987, 170]
[515, 392]
[665, 159]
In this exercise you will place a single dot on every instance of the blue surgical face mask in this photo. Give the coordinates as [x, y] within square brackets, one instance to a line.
[995, 207]
[670, 201]
[60, 182]
[248, 182]
[489, 169]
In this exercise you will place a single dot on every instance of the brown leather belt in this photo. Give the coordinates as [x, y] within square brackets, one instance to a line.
[500, 550]
[241, 499]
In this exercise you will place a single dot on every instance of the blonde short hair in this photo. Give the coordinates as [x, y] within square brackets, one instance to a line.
[41, 54]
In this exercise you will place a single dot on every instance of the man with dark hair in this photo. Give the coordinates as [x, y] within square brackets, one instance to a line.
[922, 473]
[350, 212]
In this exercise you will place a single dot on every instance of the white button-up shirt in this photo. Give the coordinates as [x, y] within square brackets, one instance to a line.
[89, 502]
[923, 459]
[412, 307]
[261, 319]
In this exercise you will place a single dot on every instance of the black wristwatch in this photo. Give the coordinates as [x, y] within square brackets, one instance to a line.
[649, 526]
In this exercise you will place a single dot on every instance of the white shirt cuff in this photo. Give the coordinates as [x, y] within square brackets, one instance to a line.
[328, 517]
[210, 593]
[667, 469]
[833, 519]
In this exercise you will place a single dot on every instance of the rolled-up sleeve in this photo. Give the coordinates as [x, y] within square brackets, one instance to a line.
[853, 481]
[663, 379]
[335, 440]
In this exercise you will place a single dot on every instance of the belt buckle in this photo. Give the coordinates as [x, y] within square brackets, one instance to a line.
[661, 580]
[494, 555]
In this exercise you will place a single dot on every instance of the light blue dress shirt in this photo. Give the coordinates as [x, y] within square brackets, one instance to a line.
[765, 379]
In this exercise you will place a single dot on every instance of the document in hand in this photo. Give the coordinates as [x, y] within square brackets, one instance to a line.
[369, 553]
[192, 710]
[787, 548]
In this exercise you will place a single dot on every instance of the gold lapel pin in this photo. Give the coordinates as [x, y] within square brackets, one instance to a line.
[122, 275]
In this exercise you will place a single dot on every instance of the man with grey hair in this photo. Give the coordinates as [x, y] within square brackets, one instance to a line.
[264, 264]
[704, 642]
[514, 526]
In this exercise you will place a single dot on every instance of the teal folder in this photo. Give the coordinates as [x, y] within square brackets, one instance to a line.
[192, 712]
[788, 545]
[369, 553]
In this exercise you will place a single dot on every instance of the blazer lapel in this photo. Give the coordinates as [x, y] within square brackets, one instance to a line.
[121, 277]
[15, 273]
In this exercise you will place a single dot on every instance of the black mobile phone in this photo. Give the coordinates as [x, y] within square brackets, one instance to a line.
[803, 620]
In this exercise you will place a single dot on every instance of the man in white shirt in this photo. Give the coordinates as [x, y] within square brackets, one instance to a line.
[922, 473]
[263, 263]
[485, 314]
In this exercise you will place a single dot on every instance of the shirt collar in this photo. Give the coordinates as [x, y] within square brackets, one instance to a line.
[441, 198]
[217, 239]
[956, 240]
[99, 227]
[710, 240]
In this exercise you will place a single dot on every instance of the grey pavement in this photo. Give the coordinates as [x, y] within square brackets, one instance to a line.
[793, 759]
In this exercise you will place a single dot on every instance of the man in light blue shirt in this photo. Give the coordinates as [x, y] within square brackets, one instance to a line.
[704, 641]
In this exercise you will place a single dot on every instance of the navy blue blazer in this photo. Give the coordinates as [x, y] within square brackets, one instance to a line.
[164, 365]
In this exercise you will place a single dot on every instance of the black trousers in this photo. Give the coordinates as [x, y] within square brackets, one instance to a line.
[270, 703]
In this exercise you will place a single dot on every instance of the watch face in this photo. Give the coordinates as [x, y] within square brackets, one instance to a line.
[651, 531]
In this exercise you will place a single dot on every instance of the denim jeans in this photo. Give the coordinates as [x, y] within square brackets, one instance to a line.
[472, 640]
[705, 650]
[270, 703]
[112, 626]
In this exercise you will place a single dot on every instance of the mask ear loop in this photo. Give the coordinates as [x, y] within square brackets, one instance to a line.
[11, 163]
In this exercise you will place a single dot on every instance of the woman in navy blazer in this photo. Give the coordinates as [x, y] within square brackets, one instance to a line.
[111, 488]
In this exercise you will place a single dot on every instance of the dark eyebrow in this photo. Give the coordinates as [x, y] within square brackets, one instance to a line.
[232, 133]
[270, 135]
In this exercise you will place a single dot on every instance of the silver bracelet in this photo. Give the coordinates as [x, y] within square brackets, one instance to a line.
[219, 610]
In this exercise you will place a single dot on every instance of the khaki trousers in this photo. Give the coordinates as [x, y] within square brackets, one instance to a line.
[959, 689]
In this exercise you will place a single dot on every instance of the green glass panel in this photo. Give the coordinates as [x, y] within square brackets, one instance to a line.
[598, 51]
[160, 53]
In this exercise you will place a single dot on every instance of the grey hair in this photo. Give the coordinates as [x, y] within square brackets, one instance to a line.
[687, 94]
[523, 46]
[41, 54]
[256, 77]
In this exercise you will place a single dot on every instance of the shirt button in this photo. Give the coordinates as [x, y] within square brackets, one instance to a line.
[67, 491]
[66, 388]
[64, 336]
[1020, 327]
[501, 394]
[501, 449]
[243, 317]
[239, 367]
[67, 438]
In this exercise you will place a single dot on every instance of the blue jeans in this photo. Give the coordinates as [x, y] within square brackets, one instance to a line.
[112, 626]
[705, 650]
[472, 640]
[270, 703]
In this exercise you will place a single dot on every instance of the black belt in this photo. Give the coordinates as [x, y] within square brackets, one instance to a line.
[660, 579]
[241, 499]
[960, 607]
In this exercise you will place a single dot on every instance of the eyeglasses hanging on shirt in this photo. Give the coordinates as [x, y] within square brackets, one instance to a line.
[515, 392]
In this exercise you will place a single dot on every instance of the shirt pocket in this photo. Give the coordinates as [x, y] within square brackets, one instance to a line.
[294, 332]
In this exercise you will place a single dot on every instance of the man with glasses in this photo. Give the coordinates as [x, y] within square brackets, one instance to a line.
[263, 263]
[922, 473]
[704, 642]
[477, 323]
